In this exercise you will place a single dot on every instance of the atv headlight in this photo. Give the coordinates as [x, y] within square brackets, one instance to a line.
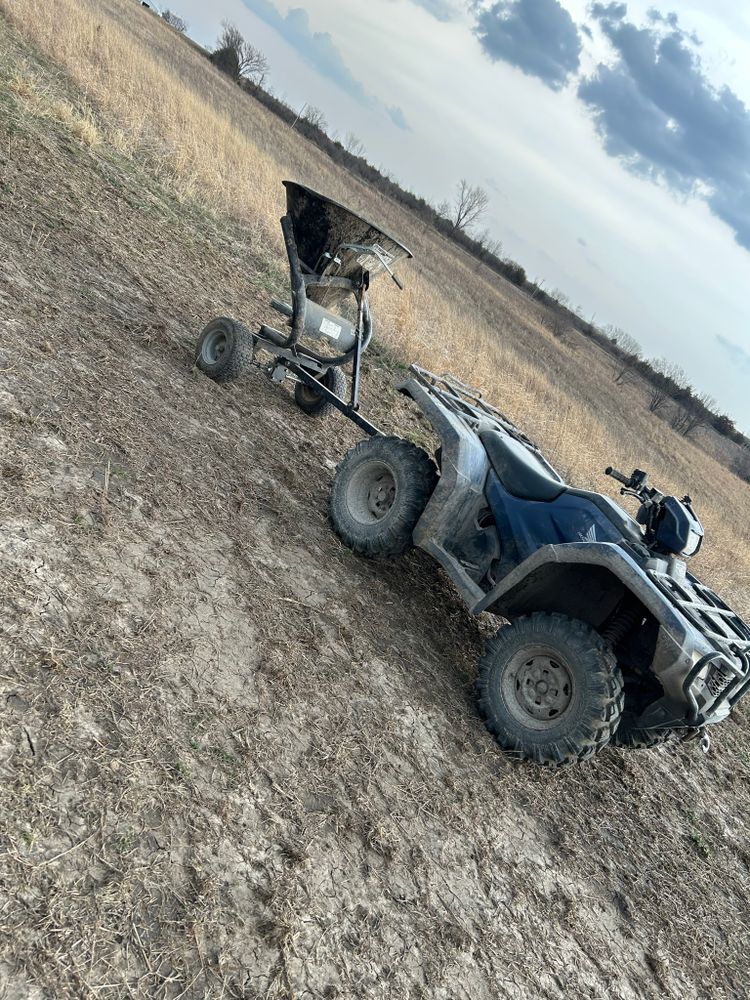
[693, 543]
[678, 531]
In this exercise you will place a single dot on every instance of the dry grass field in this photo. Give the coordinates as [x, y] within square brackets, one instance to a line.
[236, 761]
[163, 105]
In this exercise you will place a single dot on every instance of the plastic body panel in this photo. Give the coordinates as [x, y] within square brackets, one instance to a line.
[458, 496]
[526, 525]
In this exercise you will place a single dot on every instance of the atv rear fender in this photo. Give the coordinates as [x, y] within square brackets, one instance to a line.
[451, 521]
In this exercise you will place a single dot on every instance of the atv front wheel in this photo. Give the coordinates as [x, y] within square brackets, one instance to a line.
[550, 689]
[314, 403]
[225, 350]
[379, 493]
[630, 737]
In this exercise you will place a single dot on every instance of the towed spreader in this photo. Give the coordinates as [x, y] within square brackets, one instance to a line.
[333, 256]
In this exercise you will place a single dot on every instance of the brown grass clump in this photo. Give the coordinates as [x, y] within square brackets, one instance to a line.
[79, 122]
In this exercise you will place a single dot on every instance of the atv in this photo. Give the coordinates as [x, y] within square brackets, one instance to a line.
[610, 640]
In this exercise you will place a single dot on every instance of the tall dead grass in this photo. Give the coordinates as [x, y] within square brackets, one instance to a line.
[158, 99]
[151, 111]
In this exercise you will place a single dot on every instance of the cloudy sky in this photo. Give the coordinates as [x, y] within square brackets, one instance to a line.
[613, 139]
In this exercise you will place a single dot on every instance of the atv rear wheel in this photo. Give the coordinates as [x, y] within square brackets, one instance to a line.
[379, 493]
[550, 690]
[225, 349]
[314, 403]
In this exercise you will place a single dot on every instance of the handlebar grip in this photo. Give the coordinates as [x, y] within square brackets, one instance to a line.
[609, 471]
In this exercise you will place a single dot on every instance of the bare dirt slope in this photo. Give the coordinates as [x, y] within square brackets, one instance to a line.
[236, 760]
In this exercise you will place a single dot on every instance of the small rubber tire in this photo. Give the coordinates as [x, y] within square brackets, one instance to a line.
[225, 350]
[550, 690]
[629, 736]
[379, 492]
[314, 403]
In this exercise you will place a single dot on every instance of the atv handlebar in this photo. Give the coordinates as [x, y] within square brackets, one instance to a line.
[635, 481]
[609, 471]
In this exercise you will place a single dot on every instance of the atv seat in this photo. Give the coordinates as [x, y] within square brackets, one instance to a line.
[518, 469]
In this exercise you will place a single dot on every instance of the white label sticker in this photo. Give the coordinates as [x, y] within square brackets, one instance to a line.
[330, 329]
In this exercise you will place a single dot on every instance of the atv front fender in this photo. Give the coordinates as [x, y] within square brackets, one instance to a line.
[519, 591]
[587, 580]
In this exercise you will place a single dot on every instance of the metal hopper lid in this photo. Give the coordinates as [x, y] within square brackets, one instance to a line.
[331, 239]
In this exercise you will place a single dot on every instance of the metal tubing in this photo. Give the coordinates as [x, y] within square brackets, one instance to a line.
[282, 307]
[329, 281]
[299, 298]
[358, 350]
[299, 302]
[335, 400]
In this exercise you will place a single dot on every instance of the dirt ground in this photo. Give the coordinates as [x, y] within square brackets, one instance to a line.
[235, 759]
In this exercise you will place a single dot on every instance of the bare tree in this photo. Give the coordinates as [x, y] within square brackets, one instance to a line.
[239, 58]
[559, 298]
[469, 205]
[491, 247]
[556, 316]
[628, 354]
[658, 396]
[314, 116]
[694, 413]
[353, 145]
[175, 21]
[660, 389]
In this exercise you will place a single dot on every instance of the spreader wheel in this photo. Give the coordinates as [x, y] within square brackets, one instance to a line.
[225, 350]
[379, 493]
[314, 403]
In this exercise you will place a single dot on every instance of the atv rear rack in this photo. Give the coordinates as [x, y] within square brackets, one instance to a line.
[468, 404]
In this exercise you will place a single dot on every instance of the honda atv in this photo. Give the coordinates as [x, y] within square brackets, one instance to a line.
[610, 638]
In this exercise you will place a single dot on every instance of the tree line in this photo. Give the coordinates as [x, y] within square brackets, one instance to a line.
[668, 390]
